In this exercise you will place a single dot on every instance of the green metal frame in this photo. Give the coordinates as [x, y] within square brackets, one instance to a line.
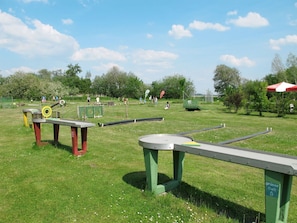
[277, 185]
[90, 111]
[151, 166]
[277, 196]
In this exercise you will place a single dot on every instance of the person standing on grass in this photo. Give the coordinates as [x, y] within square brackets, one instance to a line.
[97, 100]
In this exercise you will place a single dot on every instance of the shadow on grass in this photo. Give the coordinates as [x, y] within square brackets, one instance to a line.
[138, 179]
[200, 198]
[47, 144]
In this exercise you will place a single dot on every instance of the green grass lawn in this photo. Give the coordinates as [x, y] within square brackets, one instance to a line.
[49, 184]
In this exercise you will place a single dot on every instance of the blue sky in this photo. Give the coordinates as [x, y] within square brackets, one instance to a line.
[152, 39]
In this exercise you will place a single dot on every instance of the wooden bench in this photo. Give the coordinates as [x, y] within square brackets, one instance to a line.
[56, 127]
[278, 169]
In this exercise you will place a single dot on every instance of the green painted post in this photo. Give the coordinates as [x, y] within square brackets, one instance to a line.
[277, 196]
[178, 165]
[151, 167]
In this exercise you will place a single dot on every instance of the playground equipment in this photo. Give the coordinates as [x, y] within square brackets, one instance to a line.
[278, 169]
[90, 111]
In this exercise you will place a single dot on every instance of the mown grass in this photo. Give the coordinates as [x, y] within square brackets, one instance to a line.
[48, 184]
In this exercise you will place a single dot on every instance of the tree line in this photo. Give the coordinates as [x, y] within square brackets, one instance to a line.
[237, 92]
[233, 90]
[115, 83]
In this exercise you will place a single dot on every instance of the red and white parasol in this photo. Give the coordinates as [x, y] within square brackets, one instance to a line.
[281, 87]
[294, 88]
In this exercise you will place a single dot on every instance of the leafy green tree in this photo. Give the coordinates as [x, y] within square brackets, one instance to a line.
[71, 78]
[278, 68]
[134, 87]
[86, 84]
[272, 79]
[281, 100]
[73, 70]
[116, 83]
[255, 96]
[2, 81]
[286, 73]
[23, 86]
[99, 85]
[174, 86]
[224, 77]
[232, 98]
[157, 87]
[45, 74]
[291, 71]
[53, 88]
[282, 73]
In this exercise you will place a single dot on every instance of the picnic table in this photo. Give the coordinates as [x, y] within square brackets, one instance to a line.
[73, 124]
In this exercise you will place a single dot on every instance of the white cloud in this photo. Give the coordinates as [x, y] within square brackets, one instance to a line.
[99, 53]
[178, 32]
[17, 69]
[150, 55]
[277, 43]
[295, 4]
[244, 61]
[42, 39]
[154, 58]
[149, 36]
[206, 25]
[67, 21]
[232, 12]
[252, 19]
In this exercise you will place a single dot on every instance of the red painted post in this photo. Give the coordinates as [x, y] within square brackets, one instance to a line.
[74, 141]
[84, 132]
[37, 131]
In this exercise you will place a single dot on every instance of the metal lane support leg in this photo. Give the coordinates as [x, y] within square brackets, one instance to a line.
[277, 196]
[178, 165]
[25, 118]
[74, 141]
[56, 133]
[37, 131]
[84, 145]
[151, 166]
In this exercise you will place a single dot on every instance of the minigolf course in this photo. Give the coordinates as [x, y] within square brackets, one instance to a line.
[278, 169]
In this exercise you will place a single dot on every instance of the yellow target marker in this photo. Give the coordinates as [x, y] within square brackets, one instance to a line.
[46, 111]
